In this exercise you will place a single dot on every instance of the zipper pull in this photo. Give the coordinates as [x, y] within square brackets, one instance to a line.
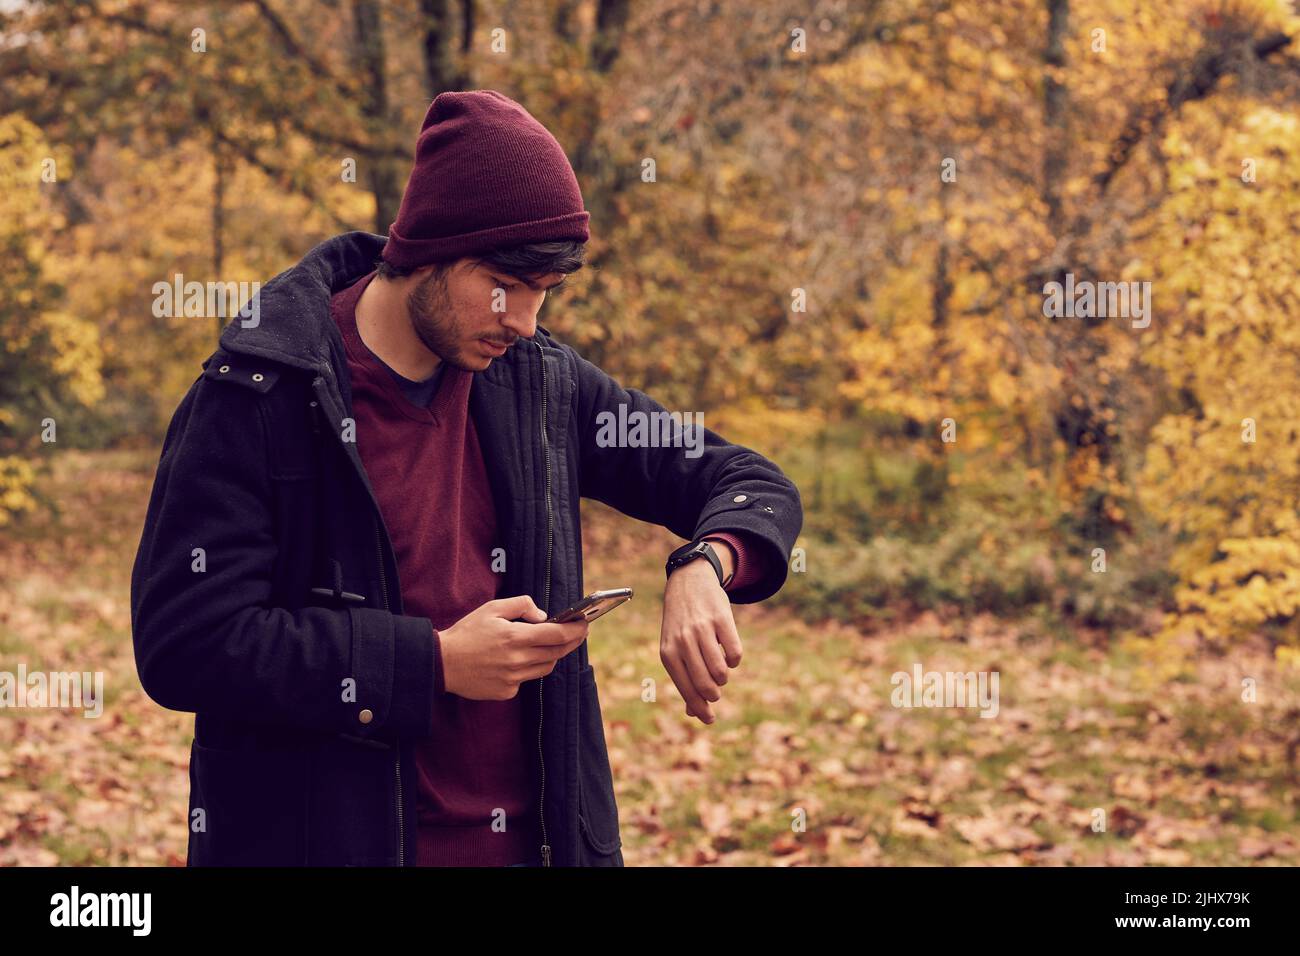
[546, 855]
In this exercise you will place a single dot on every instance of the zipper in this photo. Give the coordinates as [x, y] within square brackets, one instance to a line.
[397, 744]
[546, 601]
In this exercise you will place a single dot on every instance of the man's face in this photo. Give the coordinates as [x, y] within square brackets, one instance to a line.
[453, 313]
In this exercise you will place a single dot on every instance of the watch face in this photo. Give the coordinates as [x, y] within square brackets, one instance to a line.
[687, 553]
[701, 550]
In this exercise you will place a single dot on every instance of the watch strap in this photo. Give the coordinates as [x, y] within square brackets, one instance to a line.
[689, 552]
[718, 543]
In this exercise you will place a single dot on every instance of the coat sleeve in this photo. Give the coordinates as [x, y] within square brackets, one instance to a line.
[702, 485]
[209, 640]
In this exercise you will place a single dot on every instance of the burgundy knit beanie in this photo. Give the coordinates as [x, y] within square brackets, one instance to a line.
[486, 175]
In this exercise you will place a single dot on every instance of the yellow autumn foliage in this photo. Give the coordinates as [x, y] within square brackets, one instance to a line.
[1225, 476]
[51, 357]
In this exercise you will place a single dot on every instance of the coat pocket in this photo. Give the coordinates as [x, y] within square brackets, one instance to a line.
[254, 807]
[597, 810]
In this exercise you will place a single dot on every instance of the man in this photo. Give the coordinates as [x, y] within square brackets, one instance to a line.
[367, 506]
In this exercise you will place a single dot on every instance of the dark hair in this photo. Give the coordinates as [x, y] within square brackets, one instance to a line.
[533, 259]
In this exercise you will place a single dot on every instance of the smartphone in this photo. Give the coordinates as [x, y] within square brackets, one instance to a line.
[594, 605]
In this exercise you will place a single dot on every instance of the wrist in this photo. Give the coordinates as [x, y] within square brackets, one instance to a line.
[441, 646]
[726, 557]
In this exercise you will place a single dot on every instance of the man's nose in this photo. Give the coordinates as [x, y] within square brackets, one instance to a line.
[523, 323]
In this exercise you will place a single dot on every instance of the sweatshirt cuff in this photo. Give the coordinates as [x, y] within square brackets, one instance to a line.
[749, 561]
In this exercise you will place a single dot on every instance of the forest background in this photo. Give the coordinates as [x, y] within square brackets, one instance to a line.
[832, 231]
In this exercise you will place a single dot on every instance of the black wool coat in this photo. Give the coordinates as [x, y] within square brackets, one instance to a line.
[265, 582]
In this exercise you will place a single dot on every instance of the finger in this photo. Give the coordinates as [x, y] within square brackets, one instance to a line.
[712, 654]
[692, 656]
[549, 653]
[708, 717]
[695, 704]
[542, 634]
[729, 640]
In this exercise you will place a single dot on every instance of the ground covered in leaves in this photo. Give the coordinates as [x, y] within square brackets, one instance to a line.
[808, 764]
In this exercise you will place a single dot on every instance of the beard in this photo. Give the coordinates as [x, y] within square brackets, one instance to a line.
[433, 319]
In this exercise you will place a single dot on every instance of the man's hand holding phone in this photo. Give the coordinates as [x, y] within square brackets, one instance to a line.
[493, 649]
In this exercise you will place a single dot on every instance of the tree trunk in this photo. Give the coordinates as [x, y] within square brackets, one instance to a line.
[381, 172]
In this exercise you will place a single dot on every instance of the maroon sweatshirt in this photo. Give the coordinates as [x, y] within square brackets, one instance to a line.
[423, 460]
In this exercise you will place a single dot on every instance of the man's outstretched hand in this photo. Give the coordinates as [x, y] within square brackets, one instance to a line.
[698, 642]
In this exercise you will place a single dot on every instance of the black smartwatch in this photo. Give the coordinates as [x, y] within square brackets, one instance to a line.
[689, 552]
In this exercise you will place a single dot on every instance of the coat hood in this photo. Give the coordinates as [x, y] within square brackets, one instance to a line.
[293, 324]
[293, 319]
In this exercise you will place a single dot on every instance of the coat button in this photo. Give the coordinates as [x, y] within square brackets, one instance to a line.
[366, 716]
[740, 498]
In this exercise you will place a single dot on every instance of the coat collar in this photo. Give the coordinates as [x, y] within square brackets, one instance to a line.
[294, 326]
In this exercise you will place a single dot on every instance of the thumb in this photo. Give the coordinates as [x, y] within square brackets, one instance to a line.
[521, 607]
